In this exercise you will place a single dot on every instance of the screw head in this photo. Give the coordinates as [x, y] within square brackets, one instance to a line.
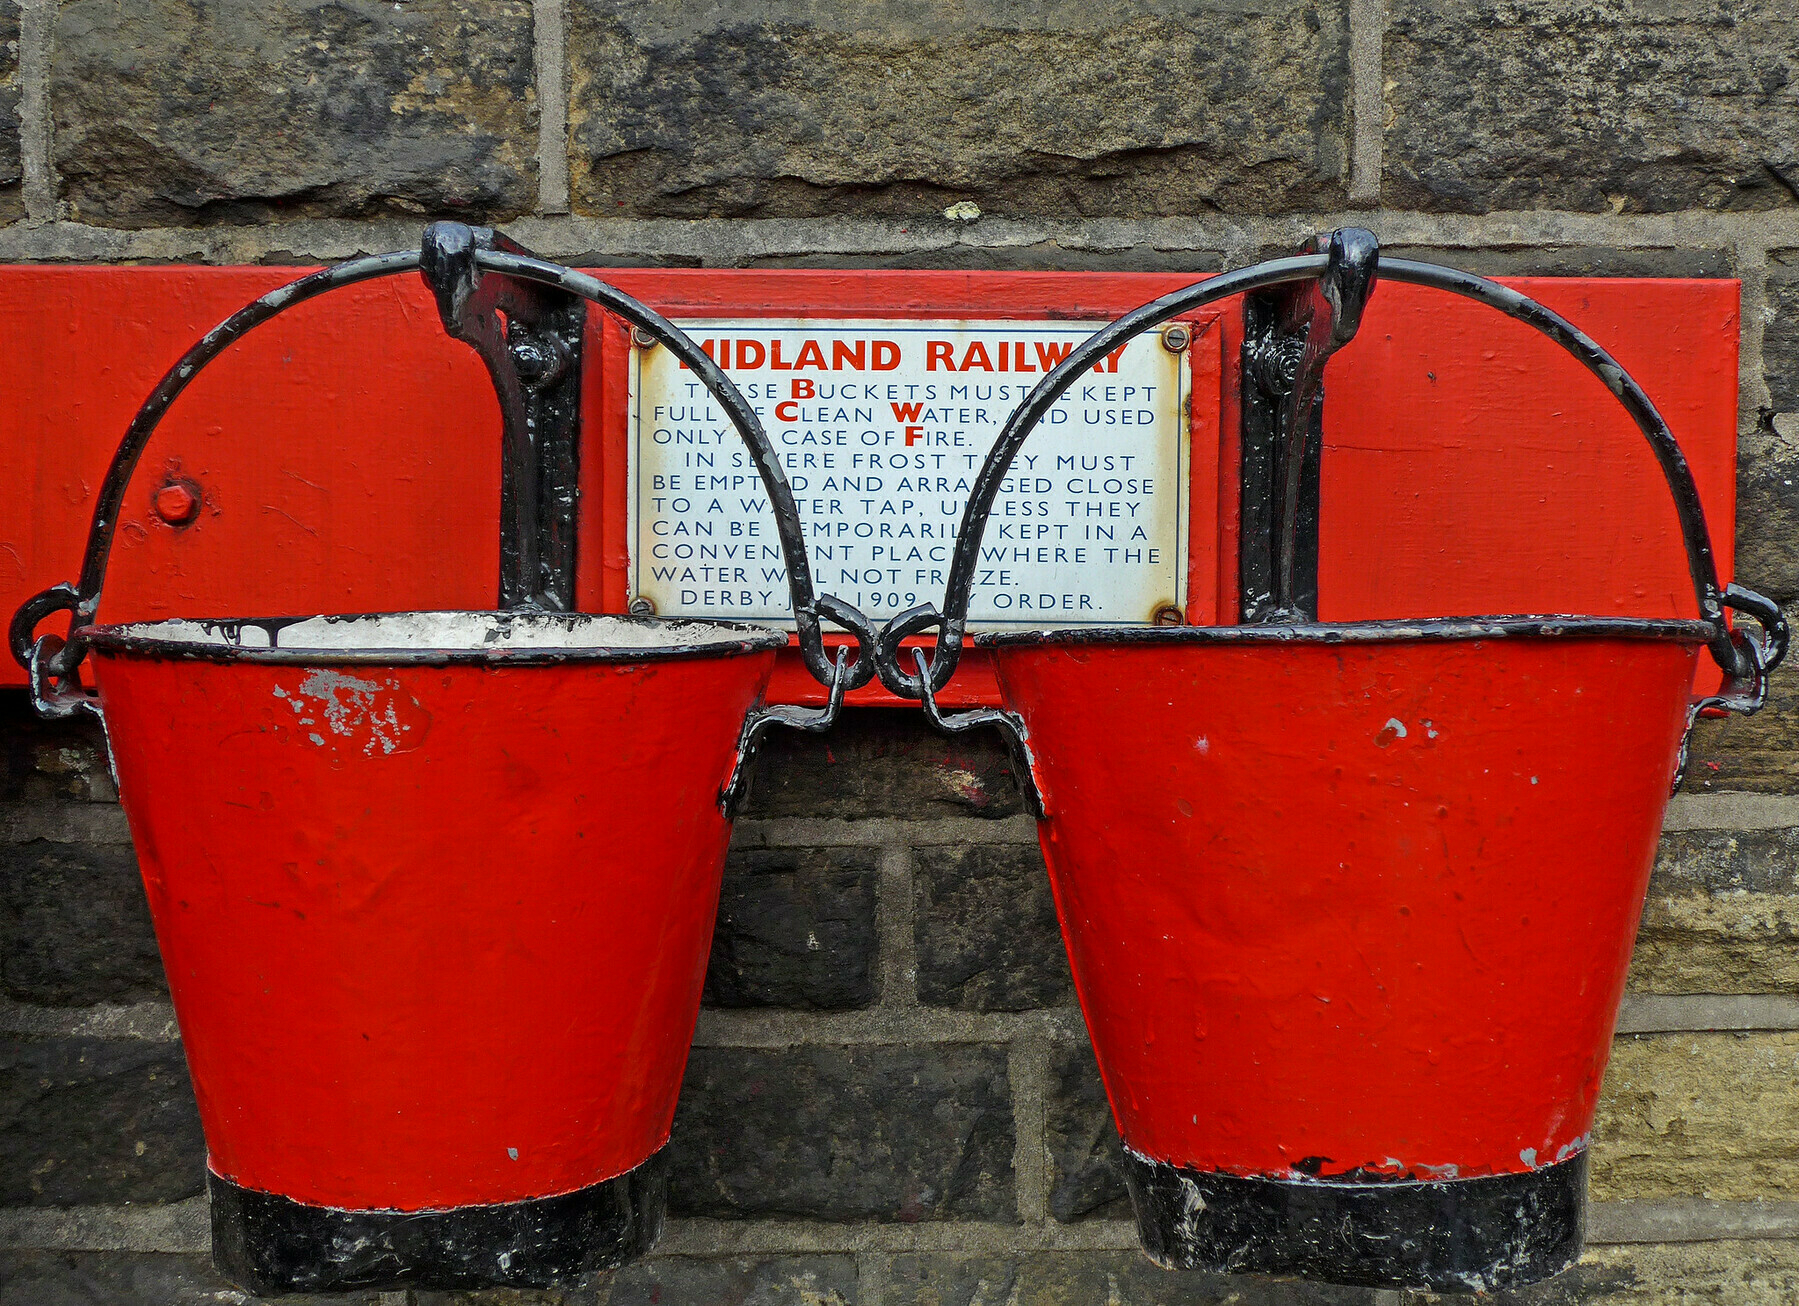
[641, 607]
[642, 339]
[1169, 615]
[178, 502]
[1176, 337]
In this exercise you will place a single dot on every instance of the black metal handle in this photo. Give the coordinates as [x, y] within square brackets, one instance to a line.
[54, 663]
[1732, 655]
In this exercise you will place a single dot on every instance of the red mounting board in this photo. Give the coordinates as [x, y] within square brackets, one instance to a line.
[347, 452]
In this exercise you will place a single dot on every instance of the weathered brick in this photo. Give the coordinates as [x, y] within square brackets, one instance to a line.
[186, 112]
[985, 929]
[51, 761]
[105, 1121]
[1115, 1278]
[1702, 1115]
[1636, 105]
[845, 1133]
[74, 927]
[883, 762]
[686, 108]
[796, 928]
[10, 171]
[1722, 914]
[1086, 1161]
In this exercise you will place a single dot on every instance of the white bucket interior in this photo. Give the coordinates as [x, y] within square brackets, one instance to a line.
[450, 632]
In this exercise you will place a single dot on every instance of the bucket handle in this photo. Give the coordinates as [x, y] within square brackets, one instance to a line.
[53, 663]
[1746, 659]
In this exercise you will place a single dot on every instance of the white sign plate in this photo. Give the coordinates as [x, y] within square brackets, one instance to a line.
[881, 427]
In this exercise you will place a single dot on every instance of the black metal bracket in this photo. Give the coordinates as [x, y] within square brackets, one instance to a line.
[530, 336]
[1010, 725]
[1289, 334]
[813, 720]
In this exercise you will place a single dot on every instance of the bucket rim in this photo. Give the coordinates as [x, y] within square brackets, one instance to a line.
[220, 640]
[1392, 631]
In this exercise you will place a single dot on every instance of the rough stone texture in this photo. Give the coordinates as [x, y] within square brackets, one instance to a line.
[796, 928]
[50, 761]
[1722, 914]
[1678, 1274]
[105, 1121]
[986, 932]
[690, 109]
[1086, 1167]
[30, 1278]
[1116, 1278]
[1768, 457]
[1702, 1115]
[845, 1133]
[1623, 105]
[667, 1281]
[883, 762]
[74, 926]
[11, 173]
[184, 112]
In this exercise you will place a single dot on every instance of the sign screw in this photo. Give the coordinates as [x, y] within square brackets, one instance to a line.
[1169, 615]
[1175, 337]
[642, 339]
[178, 502]
[641, 607]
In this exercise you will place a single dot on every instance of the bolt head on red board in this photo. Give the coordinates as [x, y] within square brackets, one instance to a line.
[178, 502]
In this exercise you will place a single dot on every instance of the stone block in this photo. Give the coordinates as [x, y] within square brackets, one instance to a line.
[1086, 1163]
[1656, 1274]
[789, 109]
[51, 761]
[1758, 753]
[885, 1133]
[1634, 106]
[986, 932]
[796, 928]
[1699, 1115]
[883, 762]
[780, 1281]
[97, 1122]
[189, 112]
[74, 926]
[1115, 1278]
[1722, 914]
[11, 172]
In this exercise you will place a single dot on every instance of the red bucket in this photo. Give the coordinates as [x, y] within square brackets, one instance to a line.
[435, 895]
[435, 890]
[1349, 907]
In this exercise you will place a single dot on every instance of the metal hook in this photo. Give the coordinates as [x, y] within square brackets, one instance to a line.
[1010, 725]
[760, 721]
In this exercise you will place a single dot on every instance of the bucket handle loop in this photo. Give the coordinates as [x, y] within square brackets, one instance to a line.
[813, 720]
[1732, 655]
[1743, 693]
[53, 662]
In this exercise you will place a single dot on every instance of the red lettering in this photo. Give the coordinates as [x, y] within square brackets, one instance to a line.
[969, 363]
[939, 351]
[1111, 363]
[1022, 365]
[745, 359]
[782, 414]
[810, 356]
[887, 355]
[914, 434]
[1049, 355]
[802, 389]
[907, 412]
[774, 357]
[842, 353]
[1005, 356]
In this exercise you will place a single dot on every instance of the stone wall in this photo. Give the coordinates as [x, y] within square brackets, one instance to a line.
[891, 1099]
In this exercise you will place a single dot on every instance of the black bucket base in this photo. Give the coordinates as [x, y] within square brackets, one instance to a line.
[271, 1244]
[1454, 1235]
